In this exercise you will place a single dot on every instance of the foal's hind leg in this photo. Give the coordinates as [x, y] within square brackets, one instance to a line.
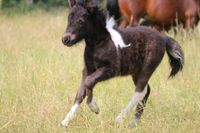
[140, 93]
[140, 108]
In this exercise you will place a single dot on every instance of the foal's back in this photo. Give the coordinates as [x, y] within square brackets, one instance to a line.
[147, 47]
[142, 37]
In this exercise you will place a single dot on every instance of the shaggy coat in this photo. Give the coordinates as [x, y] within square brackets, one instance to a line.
[111, 52]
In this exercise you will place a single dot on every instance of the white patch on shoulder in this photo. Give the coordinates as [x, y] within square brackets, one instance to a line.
[115, 35]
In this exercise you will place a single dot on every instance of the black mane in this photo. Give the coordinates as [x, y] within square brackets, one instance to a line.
[98, 16]
[98, 29]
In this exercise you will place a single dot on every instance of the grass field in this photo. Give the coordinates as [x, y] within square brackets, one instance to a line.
[39, 78]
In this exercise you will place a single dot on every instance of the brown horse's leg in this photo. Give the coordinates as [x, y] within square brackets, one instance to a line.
[159, 27]
[191, 20]
[123, 23]
[131, 23]
[134, 21]
[81, 93]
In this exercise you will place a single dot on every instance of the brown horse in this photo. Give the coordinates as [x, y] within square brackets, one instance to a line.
[158, 13]
[198, 7]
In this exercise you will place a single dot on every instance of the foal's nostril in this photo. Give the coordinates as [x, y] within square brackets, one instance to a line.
[65, 40]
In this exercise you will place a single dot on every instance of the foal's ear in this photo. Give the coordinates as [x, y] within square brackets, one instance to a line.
[91, 5]
[79, 2]
[71, 3]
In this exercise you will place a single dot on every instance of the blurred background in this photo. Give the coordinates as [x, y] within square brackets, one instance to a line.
[26, 4]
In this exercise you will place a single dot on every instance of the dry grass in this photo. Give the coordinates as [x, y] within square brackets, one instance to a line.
[39, 78]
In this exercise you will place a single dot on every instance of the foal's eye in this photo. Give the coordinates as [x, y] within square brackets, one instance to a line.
[80, 21]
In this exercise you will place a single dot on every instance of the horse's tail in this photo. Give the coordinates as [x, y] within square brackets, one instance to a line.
[176, 56]
[113, 8]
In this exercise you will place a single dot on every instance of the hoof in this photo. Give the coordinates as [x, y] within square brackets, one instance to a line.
[94, 107]
[64, 124]
[134, 123]
[119, 119]
[96, 112]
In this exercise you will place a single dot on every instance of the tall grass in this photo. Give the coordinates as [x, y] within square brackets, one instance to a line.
[39, 78]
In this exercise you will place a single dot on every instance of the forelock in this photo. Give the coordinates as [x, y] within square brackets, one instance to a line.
[78, 9]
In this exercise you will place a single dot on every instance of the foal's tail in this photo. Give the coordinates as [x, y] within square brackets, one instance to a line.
[176, 56]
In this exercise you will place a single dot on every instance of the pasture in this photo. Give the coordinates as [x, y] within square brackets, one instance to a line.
[39, 78]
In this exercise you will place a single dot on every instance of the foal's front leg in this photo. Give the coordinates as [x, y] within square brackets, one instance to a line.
[91, 80]
[78, 100]
[87, 85]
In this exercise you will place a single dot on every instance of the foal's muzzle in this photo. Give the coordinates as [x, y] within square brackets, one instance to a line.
[68, 39]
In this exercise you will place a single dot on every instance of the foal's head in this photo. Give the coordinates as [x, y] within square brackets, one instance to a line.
[79, 20]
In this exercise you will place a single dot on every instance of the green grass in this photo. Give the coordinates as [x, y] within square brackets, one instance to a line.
[39, 78]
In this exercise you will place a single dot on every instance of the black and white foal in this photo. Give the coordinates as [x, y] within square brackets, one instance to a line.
[111, 52]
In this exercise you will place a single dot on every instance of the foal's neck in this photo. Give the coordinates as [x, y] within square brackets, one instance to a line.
[96, 36]
[97, 32]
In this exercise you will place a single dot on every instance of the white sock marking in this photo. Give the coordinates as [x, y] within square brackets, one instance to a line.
[70, 115]
[115, 35]
[137, 97]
